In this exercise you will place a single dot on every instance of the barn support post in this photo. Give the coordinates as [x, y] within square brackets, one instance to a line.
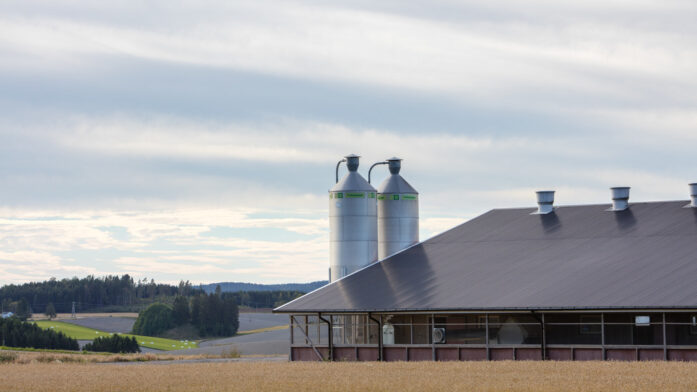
[433, 342]
[665, 344]
[290, 354]
[307, 331]
[544, 338]
[330, 334]
[543, 344]
[486, 325]
[379, 323]
[602, 336]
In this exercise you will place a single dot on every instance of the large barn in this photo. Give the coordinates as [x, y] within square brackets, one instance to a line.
[587, 282]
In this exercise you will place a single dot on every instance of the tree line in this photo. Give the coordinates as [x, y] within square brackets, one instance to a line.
[212, 315]
[17, 333]
[263, 299]
[89, 293]
[113, 344]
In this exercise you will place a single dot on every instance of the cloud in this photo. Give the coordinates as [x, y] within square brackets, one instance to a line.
[30, 265]
[501, 55]
[166, 244]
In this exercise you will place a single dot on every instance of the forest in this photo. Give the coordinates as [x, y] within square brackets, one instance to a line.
[211, 314]
[116, 293]
[113, 344]
[263, 299]
[17, 333]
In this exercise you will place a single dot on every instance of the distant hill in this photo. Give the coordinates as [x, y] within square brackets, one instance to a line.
[240, 286]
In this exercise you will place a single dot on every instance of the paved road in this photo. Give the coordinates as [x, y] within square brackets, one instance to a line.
[261, 320]
[262, 343]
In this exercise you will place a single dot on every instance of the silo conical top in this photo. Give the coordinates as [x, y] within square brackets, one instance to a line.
[352, 181]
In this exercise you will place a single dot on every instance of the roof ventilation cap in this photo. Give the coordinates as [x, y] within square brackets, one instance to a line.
[545, 202]
[352, 162]
[620, 198]
[394, 164]
[693, 195]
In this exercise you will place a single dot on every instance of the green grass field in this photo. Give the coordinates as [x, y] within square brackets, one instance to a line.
[84, 333]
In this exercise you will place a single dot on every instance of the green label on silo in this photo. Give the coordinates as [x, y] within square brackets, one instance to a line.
[339, 195]
[409, 197]
[395, 197]
[355, 195]
[381, 197]
[371, 195]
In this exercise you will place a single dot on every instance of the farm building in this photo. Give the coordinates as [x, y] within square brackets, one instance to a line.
[587, 282]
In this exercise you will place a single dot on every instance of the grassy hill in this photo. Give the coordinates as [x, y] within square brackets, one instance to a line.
[84, 333]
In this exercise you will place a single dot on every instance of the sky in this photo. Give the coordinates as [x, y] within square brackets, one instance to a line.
[196, 140]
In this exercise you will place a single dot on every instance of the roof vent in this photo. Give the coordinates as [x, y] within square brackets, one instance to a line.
[352, 162]
[693, 195]
[545, 202]
[620, 198]
[394, 165]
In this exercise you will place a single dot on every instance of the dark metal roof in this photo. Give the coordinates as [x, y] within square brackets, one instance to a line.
[579, 257]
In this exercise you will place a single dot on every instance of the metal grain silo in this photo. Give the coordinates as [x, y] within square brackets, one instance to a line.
[352, 223]
[398, 212]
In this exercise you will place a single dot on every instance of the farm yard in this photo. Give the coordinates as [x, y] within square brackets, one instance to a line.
[396, 376]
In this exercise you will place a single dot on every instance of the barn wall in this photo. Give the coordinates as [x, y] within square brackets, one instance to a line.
[581, 336]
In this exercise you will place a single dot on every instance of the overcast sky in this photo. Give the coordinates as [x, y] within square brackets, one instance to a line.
[197, 139]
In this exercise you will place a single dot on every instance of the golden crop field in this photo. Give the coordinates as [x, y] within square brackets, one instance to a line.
[412, 376]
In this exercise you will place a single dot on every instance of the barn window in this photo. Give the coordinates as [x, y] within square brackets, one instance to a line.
[642, 321]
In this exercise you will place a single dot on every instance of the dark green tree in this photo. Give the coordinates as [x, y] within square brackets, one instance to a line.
[17, 333]
[114, 344]
[23, 311]
[180, 310]
[50, 311]
[196, 310]
[215, 316]
[154, 320]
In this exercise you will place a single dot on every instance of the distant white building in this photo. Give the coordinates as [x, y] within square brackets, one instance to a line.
[7, 314]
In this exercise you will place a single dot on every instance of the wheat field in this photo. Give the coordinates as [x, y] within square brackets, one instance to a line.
[412, 376]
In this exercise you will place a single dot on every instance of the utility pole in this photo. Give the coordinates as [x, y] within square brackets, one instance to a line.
[73, 315]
